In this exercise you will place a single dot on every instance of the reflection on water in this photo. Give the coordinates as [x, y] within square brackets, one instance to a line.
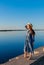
[12, 43]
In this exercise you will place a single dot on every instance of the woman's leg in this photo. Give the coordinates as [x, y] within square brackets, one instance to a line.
[25, 54]
[25, 49]
[31, 50]
[30, 54]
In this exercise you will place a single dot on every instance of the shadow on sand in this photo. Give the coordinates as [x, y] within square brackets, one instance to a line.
[40, 61]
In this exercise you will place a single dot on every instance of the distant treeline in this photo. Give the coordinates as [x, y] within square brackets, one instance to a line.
[12, 30]
[21, 30]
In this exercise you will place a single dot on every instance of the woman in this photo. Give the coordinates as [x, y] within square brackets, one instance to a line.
[28, 47]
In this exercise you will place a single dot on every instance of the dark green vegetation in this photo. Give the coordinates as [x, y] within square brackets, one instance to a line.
[20, 30]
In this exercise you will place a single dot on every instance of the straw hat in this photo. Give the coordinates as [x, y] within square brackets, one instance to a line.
[29, 25]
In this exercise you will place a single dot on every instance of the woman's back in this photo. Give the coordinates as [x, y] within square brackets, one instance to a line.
[30, 37]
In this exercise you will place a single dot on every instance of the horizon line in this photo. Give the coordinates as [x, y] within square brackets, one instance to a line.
[20, 30]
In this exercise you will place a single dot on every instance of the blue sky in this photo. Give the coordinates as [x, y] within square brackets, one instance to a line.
[17, 13]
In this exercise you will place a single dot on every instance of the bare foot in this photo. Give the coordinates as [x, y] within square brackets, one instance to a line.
[29, 58]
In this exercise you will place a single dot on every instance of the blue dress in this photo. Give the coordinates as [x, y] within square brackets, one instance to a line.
[28, 47]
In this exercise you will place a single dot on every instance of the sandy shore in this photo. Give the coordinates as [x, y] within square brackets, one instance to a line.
[37, 59]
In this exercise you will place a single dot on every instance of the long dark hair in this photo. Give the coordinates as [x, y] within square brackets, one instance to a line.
[26, 26]
[33, 32]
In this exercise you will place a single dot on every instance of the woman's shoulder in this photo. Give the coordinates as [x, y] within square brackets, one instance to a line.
[28, 32]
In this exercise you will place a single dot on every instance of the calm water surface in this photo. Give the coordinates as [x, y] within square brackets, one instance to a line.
[12, 43]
